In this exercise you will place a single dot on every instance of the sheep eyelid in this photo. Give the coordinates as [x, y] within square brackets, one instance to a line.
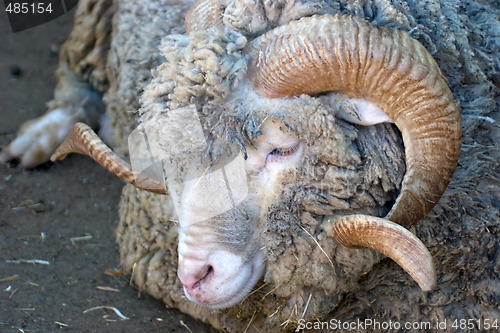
[278, 153]
[282, 151]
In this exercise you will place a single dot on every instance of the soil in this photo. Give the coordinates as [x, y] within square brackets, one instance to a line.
[58, 257]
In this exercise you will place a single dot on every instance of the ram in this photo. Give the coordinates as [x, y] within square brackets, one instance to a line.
[344, 122]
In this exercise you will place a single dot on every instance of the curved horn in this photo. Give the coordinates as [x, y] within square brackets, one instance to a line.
[83, 140]
[205, 14]
[386, 67]
[391, 240]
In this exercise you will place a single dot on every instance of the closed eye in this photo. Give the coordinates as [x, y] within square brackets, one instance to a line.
[283, 154]
[284, 151]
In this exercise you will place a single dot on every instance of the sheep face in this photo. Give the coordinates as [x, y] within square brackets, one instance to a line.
[220, 256]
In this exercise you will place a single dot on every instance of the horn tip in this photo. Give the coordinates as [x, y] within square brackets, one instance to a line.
[391, 240]
[428, 282]
[58, 156]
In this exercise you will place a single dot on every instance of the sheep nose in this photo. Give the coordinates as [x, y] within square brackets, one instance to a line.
[192, 276]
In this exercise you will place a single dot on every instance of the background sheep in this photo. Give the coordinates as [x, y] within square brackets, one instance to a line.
[472, 78]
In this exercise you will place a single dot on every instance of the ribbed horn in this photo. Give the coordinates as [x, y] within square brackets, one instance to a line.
[205, 14]
[83, 140]
[384, 66]
[390, 239]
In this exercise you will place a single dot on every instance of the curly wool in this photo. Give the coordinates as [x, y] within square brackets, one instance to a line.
[203, 66]
[137, 29]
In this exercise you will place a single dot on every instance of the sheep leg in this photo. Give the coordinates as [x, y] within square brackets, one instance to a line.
[82, 67]
[74, 101]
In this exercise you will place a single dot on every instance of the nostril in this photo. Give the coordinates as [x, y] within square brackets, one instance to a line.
[192, 278]
[209, 272]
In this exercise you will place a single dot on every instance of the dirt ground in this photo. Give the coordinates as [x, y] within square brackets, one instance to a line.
[57, 221]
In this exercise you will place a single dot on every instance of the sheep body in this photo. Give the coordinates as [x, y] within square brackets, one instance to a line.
[355, 169]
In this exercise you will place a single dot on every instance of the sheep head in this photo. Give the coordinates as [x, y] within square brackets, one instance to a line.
[387, 76]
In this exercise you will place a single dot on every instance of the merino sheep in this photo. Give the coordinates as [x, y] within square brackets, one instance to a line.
[346, 168]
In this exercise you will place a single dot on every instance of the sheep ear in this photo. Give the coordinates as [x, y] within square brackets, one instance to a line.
[364, 113]
[83, 140]
[390, 239]
[356, 110]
